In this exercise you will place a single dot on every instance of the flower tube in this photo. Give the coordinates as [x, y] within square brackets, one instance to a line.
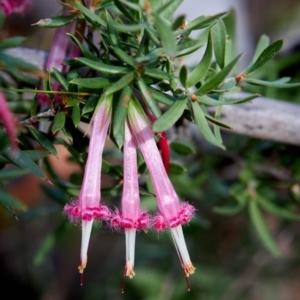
[173, 214]
[8, 121]
[87, 207]
[130, 218]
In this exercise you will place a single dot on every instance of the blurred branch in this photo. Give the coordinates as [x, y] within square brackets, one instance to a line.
[45, 114]
[263, 117]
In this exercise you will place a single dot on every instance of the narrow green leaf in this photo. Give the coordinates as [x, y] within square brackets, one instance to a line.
[76, 115]
[262, 44]
[201, 69]
[86, 53]
[202, 22]
[280, 83]
[60, 79]
[169, 118]
[10, 201]
[182, 149]
[89, 15]
[241, 100]
[229, 210]
[161, 97]
[112, 32]
[101, 67]
[178, 22]
[203, 125]
[11, 42]
[261, 229]
[90, 104]
[124, 57]
[119, 116]
[183, 75]
[189, 47]
[216, 121]
[93, 83]
[58, 122]
[23, 161]
[42, 140]
[125, 11]
[34, 105]
[107, 168]
[264, 57]
[7, 174]
[55, 22]
[166, 34]
[219, 40]
[44, 249]
[157, 74]
[169, 8]
[147, 96]
[121, 83]
[272, 208]
[216, 80]
[35, 155]
[176, 169]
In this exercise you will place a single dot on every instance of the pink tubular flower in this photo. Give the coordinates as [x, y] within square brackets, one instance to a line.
[173, 214]
[14, 6]
[8, 120]
[56, 57]
[88, 207]
[131, 218]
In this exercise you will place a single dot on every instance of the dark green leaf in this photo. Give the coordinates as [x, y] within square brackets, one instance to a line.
[124, 57]
[219, 40]
[261, 229]
[7, 174]
[189, 47]
[107, 168]
[90, 104]
[202, 22]
[89, 15]
[280, 83]
[119, 116]
[183, 75]
[264, 57]
[101, 67]
[10, 201]
[272, 208]
[34, 105]
[86, 53]
[216, 80]
[169, 8]
[60, 79]
[112, 32]
[176, 169]
[121, 83]
[58, 122]
[200, 119]
[157, 74]
[166, 34]
[161, 97]
[23, 161]
[147, 96]
[76, 115]
[182, 149]
[55, 22]
[228, 210]
[262, 44]
[201, 69]
[169, 118]
[92, 83]
[216, 121]
[42, 140]
[11, 42]
[178, 22]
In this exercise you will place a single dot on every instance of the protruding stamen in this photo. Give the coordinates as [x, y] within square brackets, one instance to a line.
[183, 254]
[130, 245]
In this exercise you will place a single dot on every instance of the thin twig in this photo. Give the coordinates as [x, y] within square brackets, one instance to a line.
[46, 114]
